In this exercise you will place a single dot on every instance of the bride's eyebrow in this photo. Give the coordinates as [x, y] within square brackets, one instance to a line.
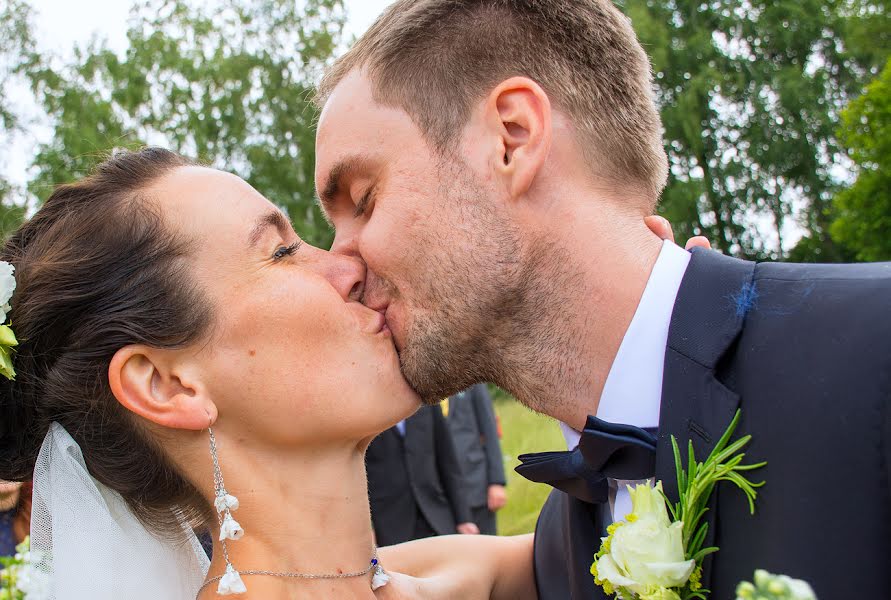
[274, 218]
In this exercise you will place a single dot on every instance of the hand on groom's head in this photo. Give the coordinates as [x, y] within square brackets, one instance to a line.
[662, 228]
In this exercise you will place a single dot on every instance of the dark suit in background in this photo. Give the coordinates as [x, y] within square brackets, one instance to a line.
[471, 421]
[805, 352]
[414, 481]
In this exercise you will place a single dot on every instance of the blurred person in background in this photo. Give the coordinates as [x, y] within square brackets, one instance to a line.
[415, 481]
[15, 515]
[474, 430]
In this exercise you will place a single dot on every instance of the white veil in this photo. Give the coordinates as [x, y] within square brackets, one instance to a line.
[87, 545]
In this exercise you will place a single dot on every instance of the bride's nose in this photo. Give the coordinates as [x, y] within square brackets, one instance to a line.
[345, 273]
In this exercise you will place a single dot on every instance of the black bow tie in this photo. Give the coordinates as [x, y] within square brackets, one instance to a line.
[605, 451]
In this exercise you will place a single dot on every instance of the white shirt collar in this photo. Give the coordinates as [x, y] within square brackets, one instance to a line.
[632, 394]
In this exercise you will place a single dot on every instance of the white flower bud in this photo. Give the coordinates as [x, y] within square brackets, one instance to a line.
[379, 579]
[225, 501]
[231, 583]
[230, 529]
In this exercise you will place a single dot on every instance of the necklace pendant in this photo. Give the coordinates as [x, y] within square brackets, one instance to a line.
[380, 578]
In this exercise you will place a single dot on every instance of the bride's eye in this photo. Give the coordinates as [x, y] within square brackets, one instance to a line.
[285, 251]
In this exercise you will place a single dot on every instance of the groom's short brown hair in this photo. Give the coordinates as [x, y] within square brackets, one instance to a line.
[436, 58]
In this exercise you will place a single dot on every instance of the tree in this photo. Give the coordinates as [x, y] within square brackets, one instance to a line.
[230, 88]
[750, 93]
[16, 55]
[864, 210]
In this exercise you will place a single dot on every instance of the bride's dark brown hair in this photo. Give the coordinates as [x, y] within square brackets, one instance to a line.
[98, 269]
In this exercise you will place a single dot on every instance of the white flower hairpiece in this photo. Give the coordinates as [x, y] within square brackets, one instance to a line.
[8, 340]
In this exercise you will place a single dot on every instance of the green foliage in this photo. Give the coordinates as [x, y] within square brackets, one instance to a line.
[17, 55]
[523, 431]
[696, 482]
[230, 88]
[749, 94]
[16, 52]
[13, 569]
[864, 210]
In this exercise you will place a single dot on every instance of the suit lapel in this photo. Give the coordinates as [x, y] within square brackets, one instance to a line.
[418, 434]
[714, 298]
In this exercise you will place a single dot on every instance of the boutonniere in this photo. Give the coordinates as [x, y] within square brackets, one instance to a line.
[656, 552]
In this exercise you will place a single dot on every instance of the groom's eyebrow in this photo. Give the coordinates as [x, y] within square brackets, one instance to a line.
[339, 174]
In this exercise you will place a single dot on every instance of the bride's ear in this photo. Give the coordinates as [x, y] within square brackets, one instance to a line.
[157, 386]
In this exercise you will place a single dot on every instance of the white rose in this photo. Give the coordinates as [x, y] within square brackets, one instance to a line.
[7, 287]
[647, 552]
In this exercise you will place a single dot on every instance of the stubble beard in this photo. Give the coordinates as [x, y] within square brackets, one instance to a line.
[489, 307]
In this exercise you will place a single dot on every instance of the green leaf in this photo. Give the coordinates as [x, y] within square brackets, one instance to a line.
[7, 337]
[679, 471]
[703, 553]
[696, 542]
[6, 368]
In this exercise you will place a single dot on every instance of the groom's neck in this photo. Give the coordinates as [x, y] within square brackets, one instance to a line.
[598, 264]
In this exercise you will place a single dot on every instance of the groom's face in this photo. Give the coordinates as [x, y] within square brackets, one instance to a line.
[438, 248]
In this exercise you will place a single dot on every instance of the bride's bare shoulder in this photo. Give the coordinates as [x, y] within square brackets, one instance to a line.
[474, 566]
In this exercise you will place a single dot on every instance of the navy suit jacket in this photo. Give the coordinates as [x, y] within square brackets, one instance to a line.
[412, 475]
[805, 352]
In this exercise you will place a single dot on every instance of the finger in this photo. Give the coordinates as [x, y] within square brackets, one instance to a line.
[660, 226]
[698, 241]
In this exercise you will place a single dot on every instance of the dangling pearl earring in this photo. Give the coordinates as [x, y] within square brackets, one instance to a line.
[230, 582]
[225, 503]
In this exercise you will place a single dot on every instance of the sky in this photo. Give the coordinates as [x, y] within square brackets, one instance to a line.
[59, 25]
[62, 23]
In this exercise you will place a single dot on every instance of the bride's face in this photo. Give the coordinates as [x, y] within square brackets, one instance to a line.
[292, 356]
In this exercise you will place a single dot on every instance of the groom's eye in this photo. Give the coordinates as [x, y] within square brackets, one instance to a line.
[366, 199]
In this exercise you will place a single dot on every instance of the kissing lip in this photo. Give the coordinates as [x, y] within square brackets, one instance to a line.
[382, 310]
[380, 307]
[377, 324]
[383, 328]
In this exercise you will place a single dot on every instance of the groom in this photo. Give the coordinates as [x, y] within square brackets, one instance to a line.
[492, 162]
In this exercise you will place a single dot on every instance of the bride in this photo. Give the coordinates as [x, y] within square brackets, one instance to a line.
[187, 364]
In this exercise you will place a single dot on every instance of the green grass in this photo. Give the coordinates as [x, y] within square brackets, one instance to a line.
[523, 431]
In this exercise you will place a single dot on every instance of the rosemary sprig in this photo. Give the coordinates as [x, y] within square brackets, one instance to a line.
[696, 483]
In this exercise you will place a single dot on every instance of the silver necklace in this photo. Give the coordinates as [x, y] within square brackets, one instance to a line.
[230, 581]
[374, 565]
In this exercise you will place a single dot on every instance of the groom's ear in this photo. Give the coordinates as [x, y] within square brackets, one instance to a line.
[160, 386]
[519, 110]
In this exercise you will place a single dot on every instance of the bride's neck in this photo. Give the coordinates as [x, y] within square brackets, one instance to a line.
[303, 511]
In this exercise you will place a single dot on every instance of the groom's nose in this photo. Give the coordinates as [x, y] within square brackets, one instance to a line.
[345, 242]
[345, 273]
